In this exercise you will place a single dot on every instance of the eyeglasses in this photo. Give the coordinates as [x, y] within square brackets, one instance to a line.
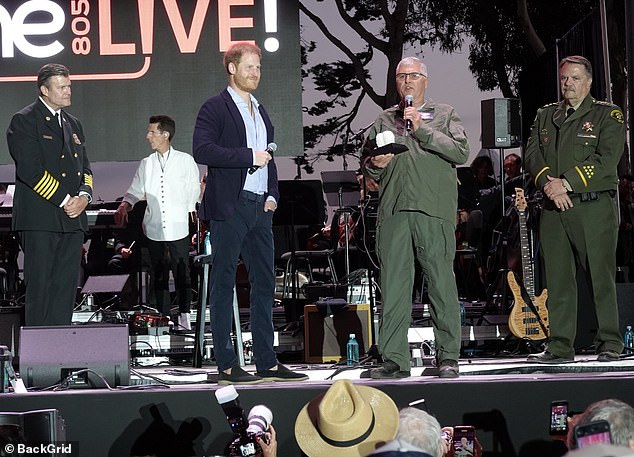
[415, 76]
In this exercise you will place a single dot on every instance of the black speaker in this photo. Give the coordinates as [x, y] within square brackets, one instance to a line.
[586, 315]
[625, 300]
[49, 355]
[40, 426]
[501, 123]
[11, 319]
[326, 332]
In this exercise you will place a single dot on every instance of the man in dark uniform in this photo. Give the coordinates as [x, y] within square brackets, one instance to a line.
[572, 154]
[53, 188]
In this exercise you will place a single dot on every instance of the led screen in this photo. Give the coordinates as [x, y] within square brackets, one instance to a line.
[130, 59]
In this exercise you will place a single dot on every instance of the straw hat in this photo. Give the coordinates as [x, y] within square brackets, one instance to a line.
[347, 420]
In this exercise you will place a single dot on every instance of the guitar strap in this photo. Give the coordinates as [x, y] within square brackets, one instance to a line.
[532, 307]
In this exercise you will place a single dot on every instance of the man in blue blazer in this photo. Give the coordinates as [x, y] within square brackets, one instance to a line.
[231, 136]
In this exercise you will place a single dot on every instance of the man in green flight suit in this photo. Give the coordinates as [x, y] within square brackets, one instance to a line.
[572, 154]
[417, 218]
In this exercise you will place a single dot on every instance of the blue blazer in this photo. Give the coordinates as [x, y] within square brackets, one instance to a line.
[220, 143]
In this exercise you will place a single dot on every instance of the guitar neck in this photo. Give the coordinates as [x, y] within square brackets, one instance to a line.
[527, 264]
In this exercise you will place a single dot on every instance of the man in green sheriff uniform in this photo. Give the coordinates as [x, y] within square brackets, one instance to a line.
[572, 154]
[417, 217]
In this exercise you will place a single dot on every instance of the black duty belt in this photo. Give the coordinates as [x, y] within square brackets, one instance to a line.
[591, 196]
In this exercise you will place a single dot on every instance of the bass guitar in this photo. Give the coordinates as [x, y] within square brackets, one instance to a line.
[529, 317]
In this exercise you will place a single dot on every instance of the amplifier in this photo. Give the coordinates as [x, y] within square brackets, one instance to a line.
[326, 335]
[316, 291]
[11, 319]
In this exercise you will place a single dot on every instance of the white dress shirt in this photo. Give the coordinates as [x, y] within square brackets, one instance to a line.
[171, 186]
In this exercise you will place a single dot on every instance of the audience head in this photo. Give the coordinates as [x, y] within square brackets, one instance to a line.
[619, 415]
[482, 166]
[419, 435]
[512, 165]
[348, 420]
[420, 429]
[626, 186]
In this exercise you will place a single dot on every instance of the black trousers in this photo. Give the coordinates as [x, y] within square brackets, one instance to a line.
[174, 255]
[51, 270]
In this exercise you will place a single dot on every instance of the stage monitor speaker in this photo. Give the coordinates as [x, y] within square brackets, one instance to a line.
[11, 319]
[625, 300]
[586, 316]
[40, 426]
[501, 123]
[49, 355]
[326, 335]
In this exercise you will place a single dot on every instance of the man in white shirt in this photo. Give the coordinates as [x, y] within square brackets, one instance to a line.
[169, 181]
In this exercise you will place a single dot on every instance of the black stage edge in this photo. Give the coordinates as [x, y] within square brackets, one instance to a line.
[508, 410]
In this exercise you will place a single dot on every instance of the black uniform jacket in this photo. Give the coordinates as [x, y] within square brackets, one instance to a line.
[50, 163]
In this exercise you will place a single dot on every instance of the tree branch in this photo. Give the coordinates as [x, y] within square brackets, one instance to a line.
[356, 62]
[526, 24]
[361, 31]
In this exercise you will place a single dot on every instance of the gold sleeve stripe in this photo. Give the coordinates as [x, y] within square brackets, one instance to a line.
[88, 180]
[46, 186]
[540, 173]
[52, 190]
[583, 178]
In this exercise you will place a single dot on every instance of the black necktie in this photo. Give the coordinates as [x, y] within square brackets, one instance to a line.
[59, 123]
[570, 112]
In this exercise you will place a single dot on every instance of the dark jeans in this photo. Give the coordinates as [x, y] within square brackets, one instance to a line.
[174, 255]
[248, 232]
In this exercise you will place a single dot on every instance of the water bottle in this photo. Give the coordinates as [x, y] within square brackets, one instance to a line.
[352, 351]
[207, 243]
[628, 340]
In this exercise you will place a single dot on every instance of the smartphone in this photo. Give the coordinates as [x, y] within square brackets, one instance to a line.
[559, 417]
[593, 433]
[463, 441]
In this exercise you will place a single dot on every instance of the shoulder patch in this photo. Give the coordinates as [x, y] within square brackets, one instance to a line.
[617, 115]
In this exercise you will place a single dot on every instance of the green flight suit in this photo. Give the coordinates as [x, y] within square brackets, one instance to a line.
[585, 149]
[417, 217]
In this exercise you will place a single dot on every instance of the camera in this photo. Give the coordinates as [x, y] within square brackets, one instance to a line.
[247, 429]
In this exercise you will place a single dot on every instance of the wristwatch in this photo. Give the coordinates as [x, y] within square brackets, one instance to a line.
[566, 185]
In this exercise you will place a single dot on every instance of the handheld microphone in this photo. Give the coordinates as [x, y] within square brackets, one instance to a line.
[409, 101]
[271, 148]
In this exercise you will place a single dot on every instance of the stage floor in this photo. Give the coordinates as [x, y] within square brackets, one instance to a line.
[169, 408]
[475, 369]
[172, 410]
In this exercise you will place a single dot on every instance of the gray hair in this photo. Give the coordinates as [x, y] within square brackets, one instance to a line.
[414, 60]
[421, 430]
[619, 415]
[578, 60]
